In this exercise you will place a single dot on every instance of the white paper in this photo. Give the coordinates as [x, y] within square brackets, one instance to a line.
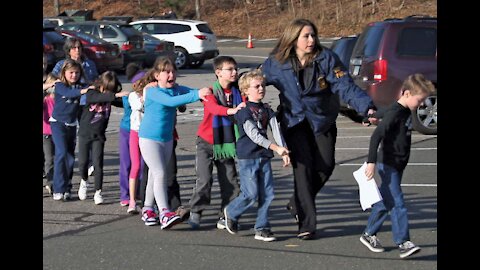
[369, 193]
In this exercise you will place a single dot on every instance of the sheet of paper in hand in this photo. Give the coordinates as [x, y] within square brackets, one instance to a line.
[369, 193]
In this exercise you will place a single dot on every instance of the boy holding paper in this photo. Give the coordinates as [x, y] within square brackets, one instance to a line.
[394, 132]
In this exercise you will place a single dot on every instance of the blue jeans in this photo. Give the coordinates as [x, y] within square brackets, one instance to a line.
[256, 181]
[392, 201]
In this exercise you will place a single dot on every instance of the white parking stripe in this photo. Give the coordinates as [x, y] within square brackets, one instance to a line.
[366, 148]
[408, 164]
[418, 185]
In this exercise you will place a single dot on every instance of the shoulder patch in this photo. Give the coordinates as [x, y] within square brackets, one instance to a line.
[338, 72]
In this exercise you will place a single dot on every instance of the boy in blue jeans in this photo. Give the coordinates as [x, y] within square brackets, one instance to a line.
[254, 153]
[395, 134]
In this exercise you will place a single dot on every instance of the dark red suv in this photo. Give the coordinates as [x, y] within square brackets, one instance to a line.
[387, 52]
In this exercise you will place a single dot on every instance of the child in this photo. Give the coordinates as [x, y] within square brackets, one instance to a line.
[394, 132]
[254, 152]
[48, 147]
[93, 124]
[156, 136]
[135, 99]
[64, 126]
[216, 142]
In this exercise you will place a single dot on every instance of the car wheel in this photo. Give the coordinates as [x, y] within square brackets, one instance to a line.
[197, 64]
[424, 119]
[182, 59]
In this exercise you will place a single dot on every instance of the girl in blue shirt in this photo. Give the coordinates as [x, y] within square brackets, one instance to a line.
[161, 98]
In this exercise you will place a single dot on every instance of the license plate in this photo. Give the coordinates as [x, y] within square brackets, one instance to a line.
[356, 70]
[114, 53]
[138, 46]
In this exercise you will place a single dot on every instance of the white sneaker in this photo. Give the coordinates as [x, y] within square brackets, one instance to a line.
[82, 190]
[57, 196]
[91, 169]
[98, 197]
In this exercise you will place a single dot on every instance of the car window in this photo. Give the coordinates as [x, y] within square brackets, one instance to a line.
[369, 41]
[129, 31]
[167, 28]
[85, 28]
[204, 28]
[417, 42]
[53, 36]
[108, 31]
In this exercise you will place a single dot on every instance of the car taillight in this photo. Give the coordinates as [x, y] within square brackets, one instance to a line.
[126, 46]
[159, 48]
[380, 70]
[98, 49]
[47, 48]
[201, 37]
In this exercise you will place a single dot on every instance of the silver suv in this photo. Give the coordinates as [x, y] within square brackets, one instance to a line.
[129, 40]
[194, 41]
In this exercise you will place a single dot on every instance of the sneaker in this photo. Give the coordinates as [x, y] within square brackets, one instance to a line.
[265, 235]
[149, 217]
[57, 196]
[67, 196]
[292, 212]
[124, 202]
[221, 223]
[230, 225]
[49, 189]
[306, 235]
[168, 219]
[91, 169]
[194, 220]
[183, 213]
[372, 243]
[82, 190]
[408, 248]
[132, 209]
[98, 197]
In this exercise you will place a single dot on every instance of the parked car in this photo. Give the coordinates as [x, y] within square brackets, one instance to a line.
[156, 48]
[52, 44]
[390, 50]
[129, 40]
[194, 41]
[59, 20]
[343, 47]
[106, 55]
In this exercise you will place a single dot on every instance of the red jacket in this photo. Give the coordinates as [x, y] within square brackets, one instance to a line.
[210, 108]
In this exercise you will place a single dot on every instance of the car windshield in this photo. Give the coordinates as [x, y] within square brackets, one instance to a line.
[368, 43]
[89, 38]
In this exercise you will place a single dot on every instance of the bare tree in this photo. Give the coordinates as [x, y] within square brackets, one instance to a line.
[197, 9]
[56, 6]
[402, 3]
[360, 11]
[338, 10]
[279, 4]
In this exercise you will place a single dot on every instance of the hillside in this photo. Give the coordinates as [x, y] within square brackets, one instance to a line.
[262, 18]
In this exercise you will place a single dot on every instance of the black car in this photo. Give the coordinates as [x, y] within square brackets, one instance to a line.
[52, 45]
[343, 47]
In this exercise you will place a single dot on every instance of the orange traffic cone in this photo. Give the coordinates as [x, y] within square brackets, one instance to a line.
[250, 43]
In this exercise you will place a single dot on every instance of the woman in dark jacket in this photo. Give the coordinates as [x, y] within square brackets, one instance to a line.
[310, 79]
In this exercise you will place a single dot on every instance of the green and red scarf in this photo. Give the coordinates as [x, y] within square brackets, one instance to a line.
[225, 131]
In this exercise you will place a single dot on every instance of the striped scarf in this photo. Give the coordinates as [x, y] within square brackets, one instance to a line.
[225, 132]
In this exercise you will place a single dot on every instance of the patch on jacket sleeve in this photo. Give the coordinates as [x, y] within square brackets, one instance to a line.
[338, 72]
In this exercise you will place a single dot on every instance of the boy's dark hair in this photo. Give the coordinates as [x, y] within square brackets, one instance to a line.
[220, 60]
[131, 69]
